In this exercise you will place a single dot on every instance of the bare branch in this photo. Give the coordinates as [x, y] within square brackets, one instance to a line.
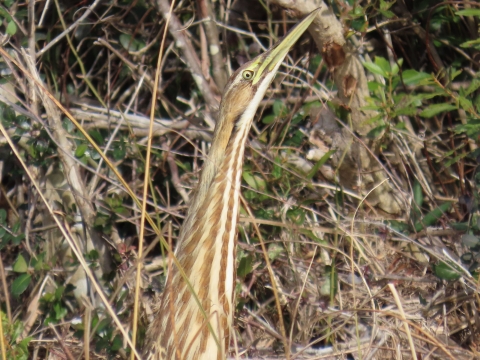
[193, 62]
[211, 30]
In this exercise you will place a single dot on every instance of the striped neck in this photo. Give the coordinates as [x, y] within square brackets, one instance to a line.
[206, 251]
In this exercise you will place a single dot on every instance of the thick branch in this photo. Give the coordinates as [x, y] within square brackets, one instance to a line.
[214, 48]
[348, 72]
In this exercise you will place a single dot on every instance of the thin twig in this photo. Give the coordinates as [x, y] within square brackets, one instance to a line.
[87, 12]
[183, 42]
[5, 292]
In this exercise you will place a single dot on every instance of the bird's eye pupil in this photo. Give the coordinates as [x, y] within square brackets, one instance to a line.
[247, 74]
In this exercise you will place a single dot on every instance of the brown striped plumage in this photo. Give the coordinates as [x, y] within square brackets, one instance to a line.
[207, 242]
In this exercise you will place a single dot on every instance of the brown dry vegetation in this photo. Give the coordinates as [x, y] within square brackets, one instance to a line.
[361, 181]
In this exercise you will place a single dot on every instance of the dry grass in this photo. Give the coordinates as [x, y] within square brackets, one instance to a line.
[352, 281]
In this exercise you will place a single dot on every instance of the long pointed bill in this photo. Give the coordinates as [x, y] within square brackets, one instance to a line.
[273, 57]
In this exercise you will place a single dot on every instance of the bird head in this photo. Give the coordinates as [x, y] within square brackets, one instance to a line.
[248, 85]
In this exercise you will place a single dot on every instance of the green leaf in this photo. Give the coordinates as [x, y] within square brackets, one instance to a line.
[384, 5]
[254, 181]
[435, 109]
[455, 159]
[93, 255]
[372, 107]
[59, 292]
[20, 284]
[319, 164]
[470, 241]
[3, 216]
[468, 12]
[16, 240]
[277, 169]
[39, 263]
[269, 119]
[387, 13]
[399, 226]
[130, 43]
[413, 77]
[60, 311]
[119, 151]
[114, 200]
[8, 3]
[101, 220]
[454, 74]
[325, 287]
[24, 344]
[408, 110]
[102, 325]
[471, 44]
[374, 86]
[245, 266]
[376, 132]
[8, 115]
[11, 28]
[117, 343]
[396, 66]
[383, 64]
[68, 125]
[465, 104]
[417, 193]
[463, 226]
[20, 265]
[274, 251]
[279, 108]
[447, 272]
[81, 149]
[359, 25]
[297, 215]
[95, 134]
[474, 85]
[374, 68]
[432, 217]
[268, 214]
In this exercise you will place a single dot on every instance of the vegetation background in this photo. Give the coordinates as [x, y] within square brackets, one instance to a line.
[360, 182]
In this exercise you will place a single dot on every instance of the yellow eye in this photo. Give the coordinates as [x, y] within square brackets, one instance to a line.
[248, 74]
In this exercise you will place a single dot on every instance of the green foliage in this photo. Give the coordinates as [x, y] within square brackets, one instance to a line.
[54, 304]
[9, 237]
[113, 209]
[447, 271]
[275, 250]
[426, 96]
[20, 266]
[245, 266]
[432, 217]
[12, 332]
[20, 284]
[390, 99]
[105, 337]
[130, 43]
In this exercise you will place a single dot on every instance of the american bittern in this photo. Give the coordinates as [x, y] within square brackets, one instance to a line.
[207, 242]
